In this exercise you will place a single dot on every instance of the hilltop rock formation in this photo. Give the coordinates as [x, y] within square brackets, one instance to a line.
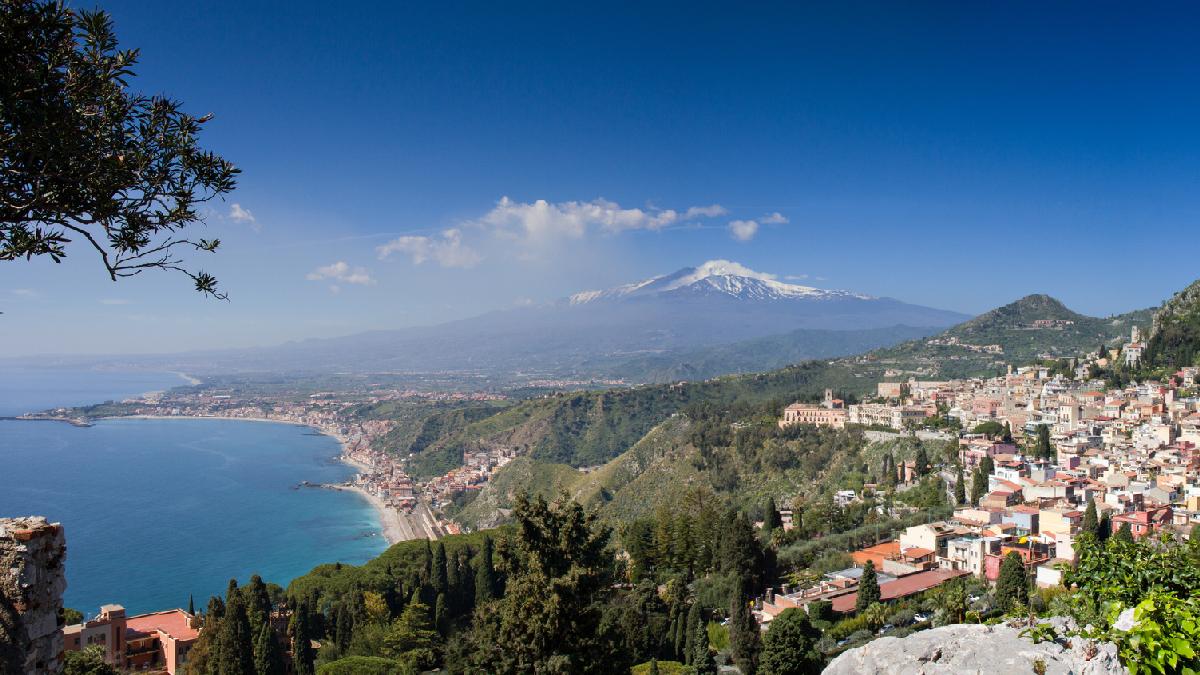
[965, 649]
[32, 582]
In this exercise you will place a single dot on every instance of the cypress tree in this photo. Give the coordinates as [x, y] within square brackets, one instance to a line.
[868, 588]
[771, 519]
[485, 575]
[960, 488]
[702, 659]
[302, 653]
[258, 602]
[237, 648]
[1125, 533]
[426, 562]
[1012, 586]
[268, 657]
[921, 461]
[344, 629]
[439, 581]
[694, 620]
[1091, 523]
[987, 466]
[212, 633]
[440, 618]
[191, 605]
[1043, 448]
[1105, 529]
[678, 626]
[978, 486]
[744, 636]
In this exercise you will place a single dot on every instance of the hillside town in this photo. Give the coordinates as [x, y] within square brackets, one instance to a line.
[1131, 454]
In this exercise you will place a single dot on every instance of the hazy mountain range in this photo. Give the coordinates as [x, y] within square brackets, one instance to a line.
[662, 323]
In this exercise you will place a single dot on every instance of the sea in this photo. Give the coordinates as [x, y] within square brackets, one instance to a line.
[157, 511]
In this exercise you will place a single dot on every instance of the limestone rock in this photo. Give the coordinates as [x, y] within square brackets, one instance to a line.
[32, 581]
[966, 649]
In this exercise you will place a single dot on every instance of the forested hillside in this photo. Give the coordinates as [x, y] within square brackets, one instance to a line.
[1175, 338]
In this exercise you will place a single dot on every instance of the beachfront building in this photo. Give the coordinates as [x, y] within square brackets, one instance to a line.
[155, 642]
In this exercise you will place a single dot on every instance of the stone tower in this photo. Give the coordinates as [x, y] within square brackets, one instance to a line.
[32, 582]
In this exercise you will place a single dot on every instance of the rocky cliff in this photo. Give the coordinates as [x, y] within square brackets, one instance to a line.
[965, 649]
[32, 582]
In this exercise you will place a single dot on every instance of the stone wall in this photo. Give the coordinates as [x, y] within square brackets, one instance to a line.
[32, 581]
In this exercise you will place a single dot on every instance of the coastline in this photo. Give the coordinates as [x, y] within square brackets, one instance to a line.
[396, 526]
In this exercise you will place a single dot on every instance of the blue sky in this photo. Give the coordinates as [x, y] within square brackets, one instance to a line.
[950, 154]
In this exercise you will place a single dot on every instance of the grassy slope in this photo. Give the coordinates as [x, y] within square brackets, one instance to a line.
[585, 429]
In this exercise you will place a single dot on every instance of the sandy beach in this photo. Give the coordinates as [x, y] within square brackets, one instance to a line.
[396, 526]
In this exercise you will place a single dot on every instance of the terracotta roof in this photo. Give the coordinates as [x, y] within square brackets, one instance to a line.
[902, 587]
[173, 622]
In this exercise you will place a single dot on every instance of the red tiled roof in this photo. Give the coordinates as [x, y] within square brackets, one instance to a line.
[173, 622]
[902, 587]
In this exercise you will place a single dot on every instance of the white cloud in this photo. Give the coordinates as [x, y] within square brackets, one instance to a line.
[743, 230]
[541, 220]
[240, 215]
[340, 271]
[775, 218]
[25, 293]
[115, 301]
[446, 250]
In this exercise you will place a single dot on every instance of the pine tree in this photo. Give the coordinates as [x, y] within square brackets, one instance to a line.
[485, 574]
[744, 636]
[268, 657]
[1012, 586]
[868, 588]
[789, 647]
[413, 638]
[960, 488]
[703, 662]
[439, 581]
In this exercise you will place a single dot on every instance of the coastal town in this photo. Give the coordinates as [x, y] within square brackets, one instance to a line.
[1129, 454]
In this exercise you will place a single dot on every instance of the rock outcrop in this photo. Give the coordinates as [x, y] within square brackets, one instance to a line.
[32, 552]
[966, 649]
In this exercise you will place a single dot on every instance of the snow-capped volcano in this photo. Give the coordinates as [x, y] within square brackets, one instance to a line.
[716, 277]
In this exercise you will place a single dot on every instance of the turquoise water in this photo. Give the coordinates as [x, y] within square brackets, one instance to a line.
[155, 510]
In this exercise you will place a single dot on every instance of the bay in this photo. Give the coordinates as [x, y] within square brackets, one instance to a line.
[157, 510]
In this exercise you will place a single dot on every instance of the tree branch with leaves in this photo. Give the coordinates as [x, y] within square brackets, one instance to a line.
[84, 158]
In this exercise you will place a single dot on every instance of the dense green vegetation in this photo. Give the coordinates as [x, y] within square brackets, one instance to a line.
[1175, 340]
